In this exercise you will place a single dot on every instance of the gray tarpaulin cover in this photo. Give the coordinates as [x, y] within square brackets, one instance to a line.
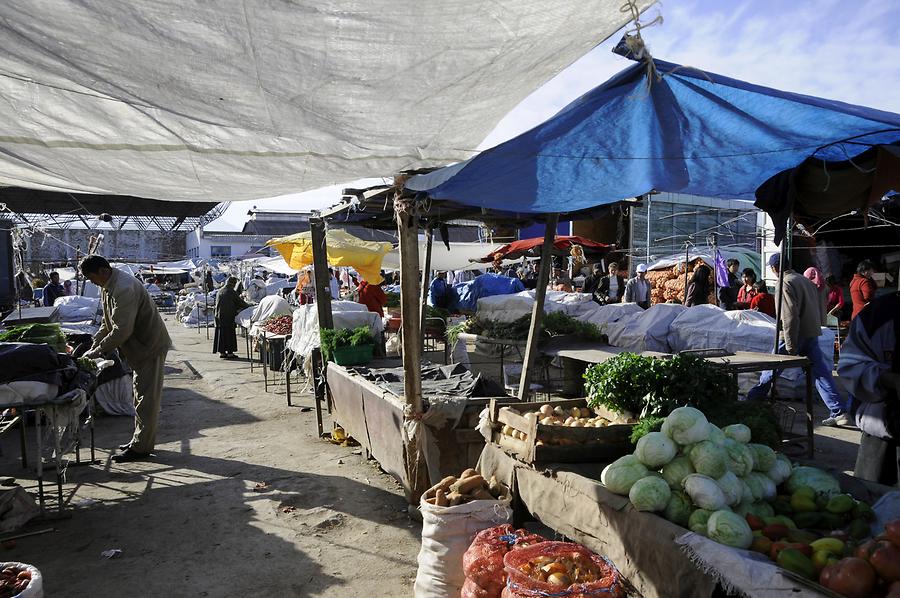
[227, 100]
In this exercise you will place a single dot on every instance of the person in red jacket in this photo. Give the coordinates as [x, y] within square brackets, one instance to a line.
[372, 296]
[862, 287]
[762, 301]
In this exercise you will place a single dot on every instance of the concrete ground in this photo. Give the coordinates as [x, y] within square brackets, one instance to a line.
[191, 523]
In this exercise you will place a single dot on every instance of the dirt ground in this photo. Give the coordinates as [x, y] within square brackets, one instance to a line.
[189, 523]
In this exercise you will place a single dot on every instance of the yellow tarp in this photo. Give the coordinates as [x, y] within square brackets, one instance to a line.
[343, 250]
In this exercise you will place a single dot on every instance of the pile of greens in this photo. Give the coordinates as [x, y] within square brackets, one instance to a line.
[86, 364]
[393, 300]
[36, 334]
[651, 388]
[345, 337]
[552, 324]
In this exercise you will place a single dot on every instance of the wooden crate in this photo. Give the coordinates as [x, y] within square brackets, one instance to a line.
[581, 445]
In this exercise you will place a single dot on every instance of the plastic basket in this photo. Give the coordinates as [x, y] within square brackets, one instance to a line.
[359, 355]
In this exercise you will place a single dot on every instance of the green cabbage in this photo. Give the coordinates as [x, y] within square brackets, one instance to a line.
[731, 487]
[698, 520]
[764, 457]
[676, 470]
[820, 481]
[726, 527]
[650, 494]
[709, 459]
[761, 486]
[686, 425]
[716, 436]
[678, 510]
[738, 432]
[781, 471]
[655, 450]
[704, 492]
[620, 475]
[739, 457]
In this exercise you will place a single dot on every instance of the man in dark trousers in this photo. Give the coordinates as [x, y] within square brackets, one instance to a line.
[132, 325]
[800, 322]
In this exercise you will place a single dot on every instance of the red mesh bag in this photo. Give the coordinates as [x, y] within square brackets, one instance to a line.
[483, 561]
[471, 590]
[520, 585]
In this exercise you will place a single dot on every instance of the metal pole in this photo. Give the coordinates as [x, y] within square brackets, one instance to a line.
[426, 277]
[715, 246]
[537, 312]
[206, 301]
[687, 257]
[648, 228]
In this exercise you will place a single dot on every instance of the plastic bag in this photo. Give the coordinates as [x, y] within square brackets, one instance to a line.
[519, 585]
[483, 561]
[35, 588]
[447, 533]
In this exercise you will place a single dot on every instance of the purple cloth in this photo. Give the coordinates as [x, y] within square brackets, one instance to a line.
[721, 271]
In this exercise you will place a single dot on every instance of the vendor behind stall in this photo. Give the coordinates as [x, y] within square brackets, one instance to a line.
[637, 289]
[228, 305]
[870, 363]
[440, 293]
[611, 287]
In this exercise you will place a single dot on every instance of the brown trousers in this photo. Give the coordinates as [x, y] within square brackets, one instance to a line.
[148, 385]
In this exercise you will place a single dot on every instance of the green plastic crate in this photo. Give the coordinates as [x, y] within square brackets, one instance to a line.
[353, 355]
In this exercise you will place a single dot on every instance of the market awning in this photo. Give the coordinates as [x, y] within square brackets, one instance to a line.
[686, 131]
[562, 245]
[344, 250]
[460, 256]
[223, 100]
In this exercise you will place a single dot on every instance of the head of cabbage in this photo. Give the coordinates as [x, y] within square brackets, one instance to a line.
[620, 475]
[709, 459]
[698, 520]
[650, 494]
[737, 432]
[686, 425]
[732, 488]
[716, 436]
[655, 450]
[739, 457]
[678, 510]
[763, 457]
[818, 480]
[729, 528]
[761, 486]
[676, 470]
[781, 471]
[704, 492]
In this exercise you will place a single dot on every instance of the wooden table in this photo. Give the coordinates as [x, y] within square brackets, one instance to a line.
[741, 362]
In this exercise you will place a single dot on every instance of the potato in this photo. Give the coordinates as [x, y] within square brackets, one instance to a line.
[468, 473]
[546, 410]
[548, 421]
[558, 410]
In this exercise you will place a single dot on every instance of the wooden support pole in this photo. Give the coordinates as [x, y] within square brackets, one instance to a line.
[426, 278]
[537, 312]
[320, 272]
[323, 307]
[408, 232]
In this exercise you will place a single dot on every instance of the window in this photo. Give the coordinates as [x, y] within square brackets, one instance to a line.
[219, 251]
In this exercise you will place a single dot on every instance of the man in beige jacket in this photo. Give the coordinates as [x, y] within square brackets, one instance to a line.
[801, 323]
[132, 325]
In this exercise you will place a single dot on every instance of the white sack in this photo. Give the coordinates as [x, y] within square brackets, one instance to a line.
[447, 533]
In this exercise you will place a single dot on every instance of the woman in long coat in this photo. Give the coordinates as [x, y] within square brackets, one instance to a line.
[228, 305]
[698, 288]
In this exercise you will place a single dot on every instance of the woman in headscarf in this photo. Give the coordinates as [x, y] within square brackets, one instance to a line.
[835, 302]
[228, 305]
[815, 275]
[698, 288]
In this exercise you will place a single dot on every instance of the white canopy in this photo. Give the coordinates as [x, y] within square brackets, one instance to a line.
[223, 100]
[456, 258]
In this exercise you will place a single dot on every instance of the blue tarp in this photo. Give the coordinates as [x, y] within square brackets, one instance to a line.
[486, 285]
[689, 132]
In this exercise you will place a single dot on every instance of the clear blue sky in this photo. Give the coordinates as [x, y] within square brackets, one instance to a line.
[835, 49]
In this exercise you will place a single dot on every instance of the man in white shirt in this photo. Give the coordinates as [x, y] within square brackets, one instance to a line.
[637, 289]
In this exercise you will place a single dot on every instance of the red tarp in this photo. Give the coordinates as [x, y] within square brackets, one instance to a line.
[532, 248]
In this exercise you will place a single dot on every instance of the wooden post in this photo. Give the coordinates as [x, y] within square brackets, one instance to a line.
[537, 312]
[407, 229]
[320, 272]
[426, 277]
[323, 307]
